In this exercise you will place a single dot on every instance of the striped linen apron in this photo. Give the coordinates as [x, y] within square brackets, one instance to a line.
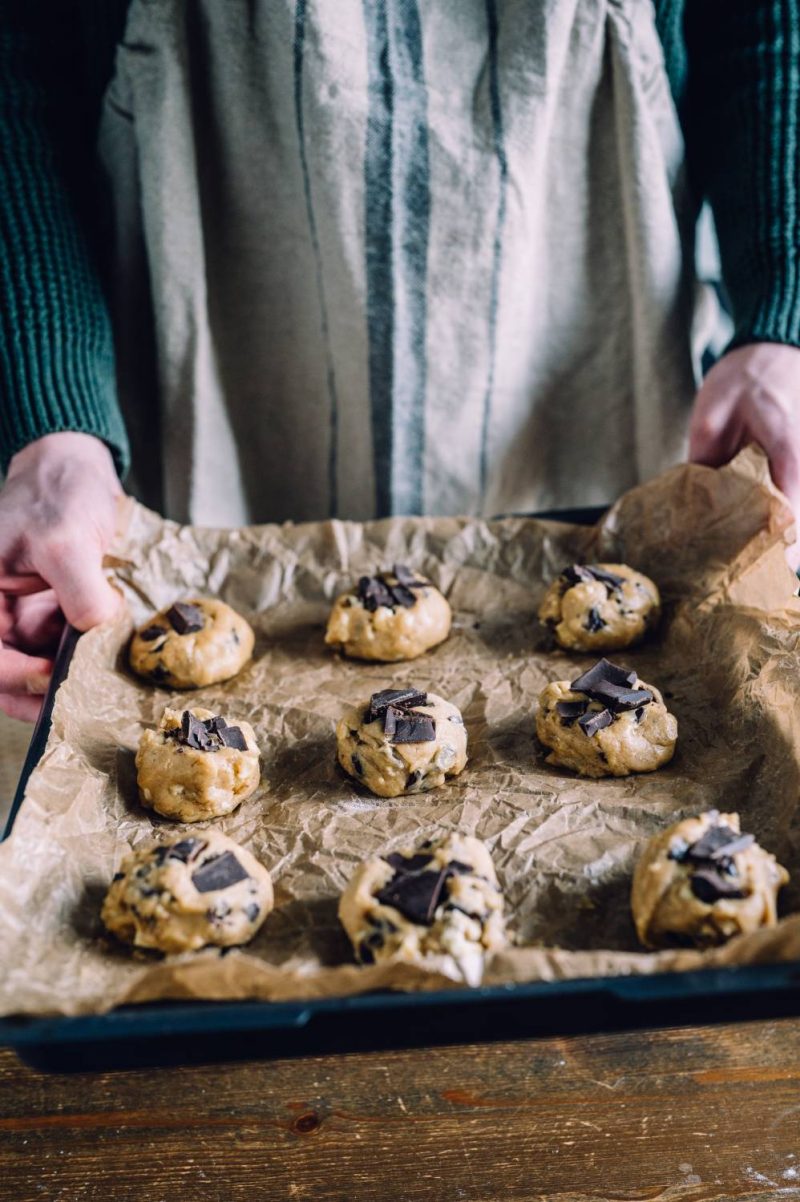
[379, 257]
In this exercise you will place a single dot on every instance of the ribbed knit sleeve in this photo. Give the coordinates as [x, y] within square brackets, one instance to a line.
[56, 353]
[741, 117]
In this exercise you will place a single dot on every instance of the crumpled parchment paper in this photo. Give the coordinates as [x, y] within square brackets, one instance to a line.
[727, 657]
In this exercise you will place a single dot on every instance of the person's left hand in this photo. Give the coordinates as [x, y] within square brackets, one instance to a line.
[753, 395]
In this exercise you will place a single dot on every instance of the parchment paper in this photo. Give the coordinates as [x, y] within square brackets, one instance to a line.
[727, 658]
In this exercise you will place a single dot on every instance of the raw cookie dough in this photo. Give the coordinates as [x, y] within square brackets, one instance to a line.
[607, 722]
[193, 643]
[600, 607]
[402, 741]
[195, 766]
[389, 617]
[437, 904]
[193, 891]
[702, 882]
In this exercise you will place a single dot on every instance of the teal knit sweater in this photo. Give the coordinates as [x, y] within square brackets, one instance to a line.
[734, 68]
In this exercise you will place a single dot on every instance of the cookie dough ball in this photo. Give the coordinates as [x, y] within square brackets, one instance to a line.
[389, 617]
[607, 722]
[193, 643]
[182, 895]
[438, 905]
[195, 766]
[402, 741]
[600, 607]
[702, 882]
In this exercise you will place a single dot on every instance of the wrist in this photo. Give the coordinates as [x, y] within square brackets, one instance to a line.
[66, 448]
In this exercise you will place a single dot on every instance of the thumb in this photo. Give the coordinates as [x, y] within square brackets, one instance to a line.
[73, 569]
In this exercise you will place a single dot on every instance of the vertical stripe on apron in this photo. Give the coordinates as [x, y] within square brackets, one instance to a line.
[299, 46]
[500, 221]
[397, 217]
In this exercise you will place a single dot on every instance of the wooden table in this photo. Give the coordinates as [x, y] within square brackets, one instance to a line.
[692, 1113]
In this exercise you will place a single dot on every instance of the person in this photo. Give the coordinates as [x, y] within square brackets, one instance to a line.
[375, 257]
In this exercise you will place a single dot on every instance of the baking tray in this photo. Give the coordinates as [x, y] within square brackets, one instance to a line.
[186, 1032]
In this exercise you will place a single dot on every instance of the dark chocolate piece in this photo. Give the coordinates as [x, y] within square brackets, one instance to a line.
[412, 779]
[594, 622]
[152, 633]
[159, 673]
[603, 672]
[186, 849]
[576, 573]
[640, 713]
[118, 876]
[709, 884]
[718, 843]
[364, 953]
[230, 736]
[459, 868]
[402, 595]
[621, 699]
[415, 895]
[219, 873]
[402, 863]
[608, 578]
[356, 765]
[195, 733]
[399, 698]
[407, 726]
[372, 592]
[584, 573]
[406, 576]
[252, 911]
[594, 720]
[185, 618]
[570, 711]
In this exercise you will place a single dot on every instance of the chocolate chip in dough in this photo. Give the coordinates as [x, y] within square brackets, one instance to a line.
[709, 884]
[185, 618]
[595, 720]
[399, 698]
[219, 873]
[406, 726]
[151, 633]
[186, 849]
[415, 895]
[570, 711]
[594, 622]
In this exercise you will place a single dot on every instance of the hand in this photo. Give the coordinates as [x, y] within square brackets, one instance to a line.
[753, 395]
[57, 517]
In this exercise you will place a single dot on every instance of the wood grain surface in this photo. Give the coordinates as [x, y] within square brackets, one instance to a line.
[690, 1114]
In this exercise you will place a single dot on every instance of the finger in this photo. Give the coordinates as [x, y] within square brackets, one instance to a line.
[21, 674]
[19, 585]
[26, 709]
[74, 569]
[38, 623]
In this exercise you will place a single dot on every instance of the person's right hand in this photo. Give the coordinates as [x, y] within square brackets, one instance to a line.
[57, 517]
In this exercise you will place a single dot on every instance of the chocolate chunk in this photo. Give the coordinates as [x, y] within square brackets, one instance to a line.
[621, 699]
[718, 843]
[252, 911]
[577, 574]
[608, 578]
[118, 876]
[594, 720]
[399, 698]
[159, 673]
[151, 633]
[406, 726]
[185, 618]
[230, 736]
[594, 622]
[186, 849]
[603, 672]
[365, 953]
[373, 592]
[406, 576]
[195, 733]
[402, 863]
[218, 873]
[570, 711]
[415, 895]
[356, 765]
[640, 713]
[402, 596]
[709, 884]
[413, 779]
